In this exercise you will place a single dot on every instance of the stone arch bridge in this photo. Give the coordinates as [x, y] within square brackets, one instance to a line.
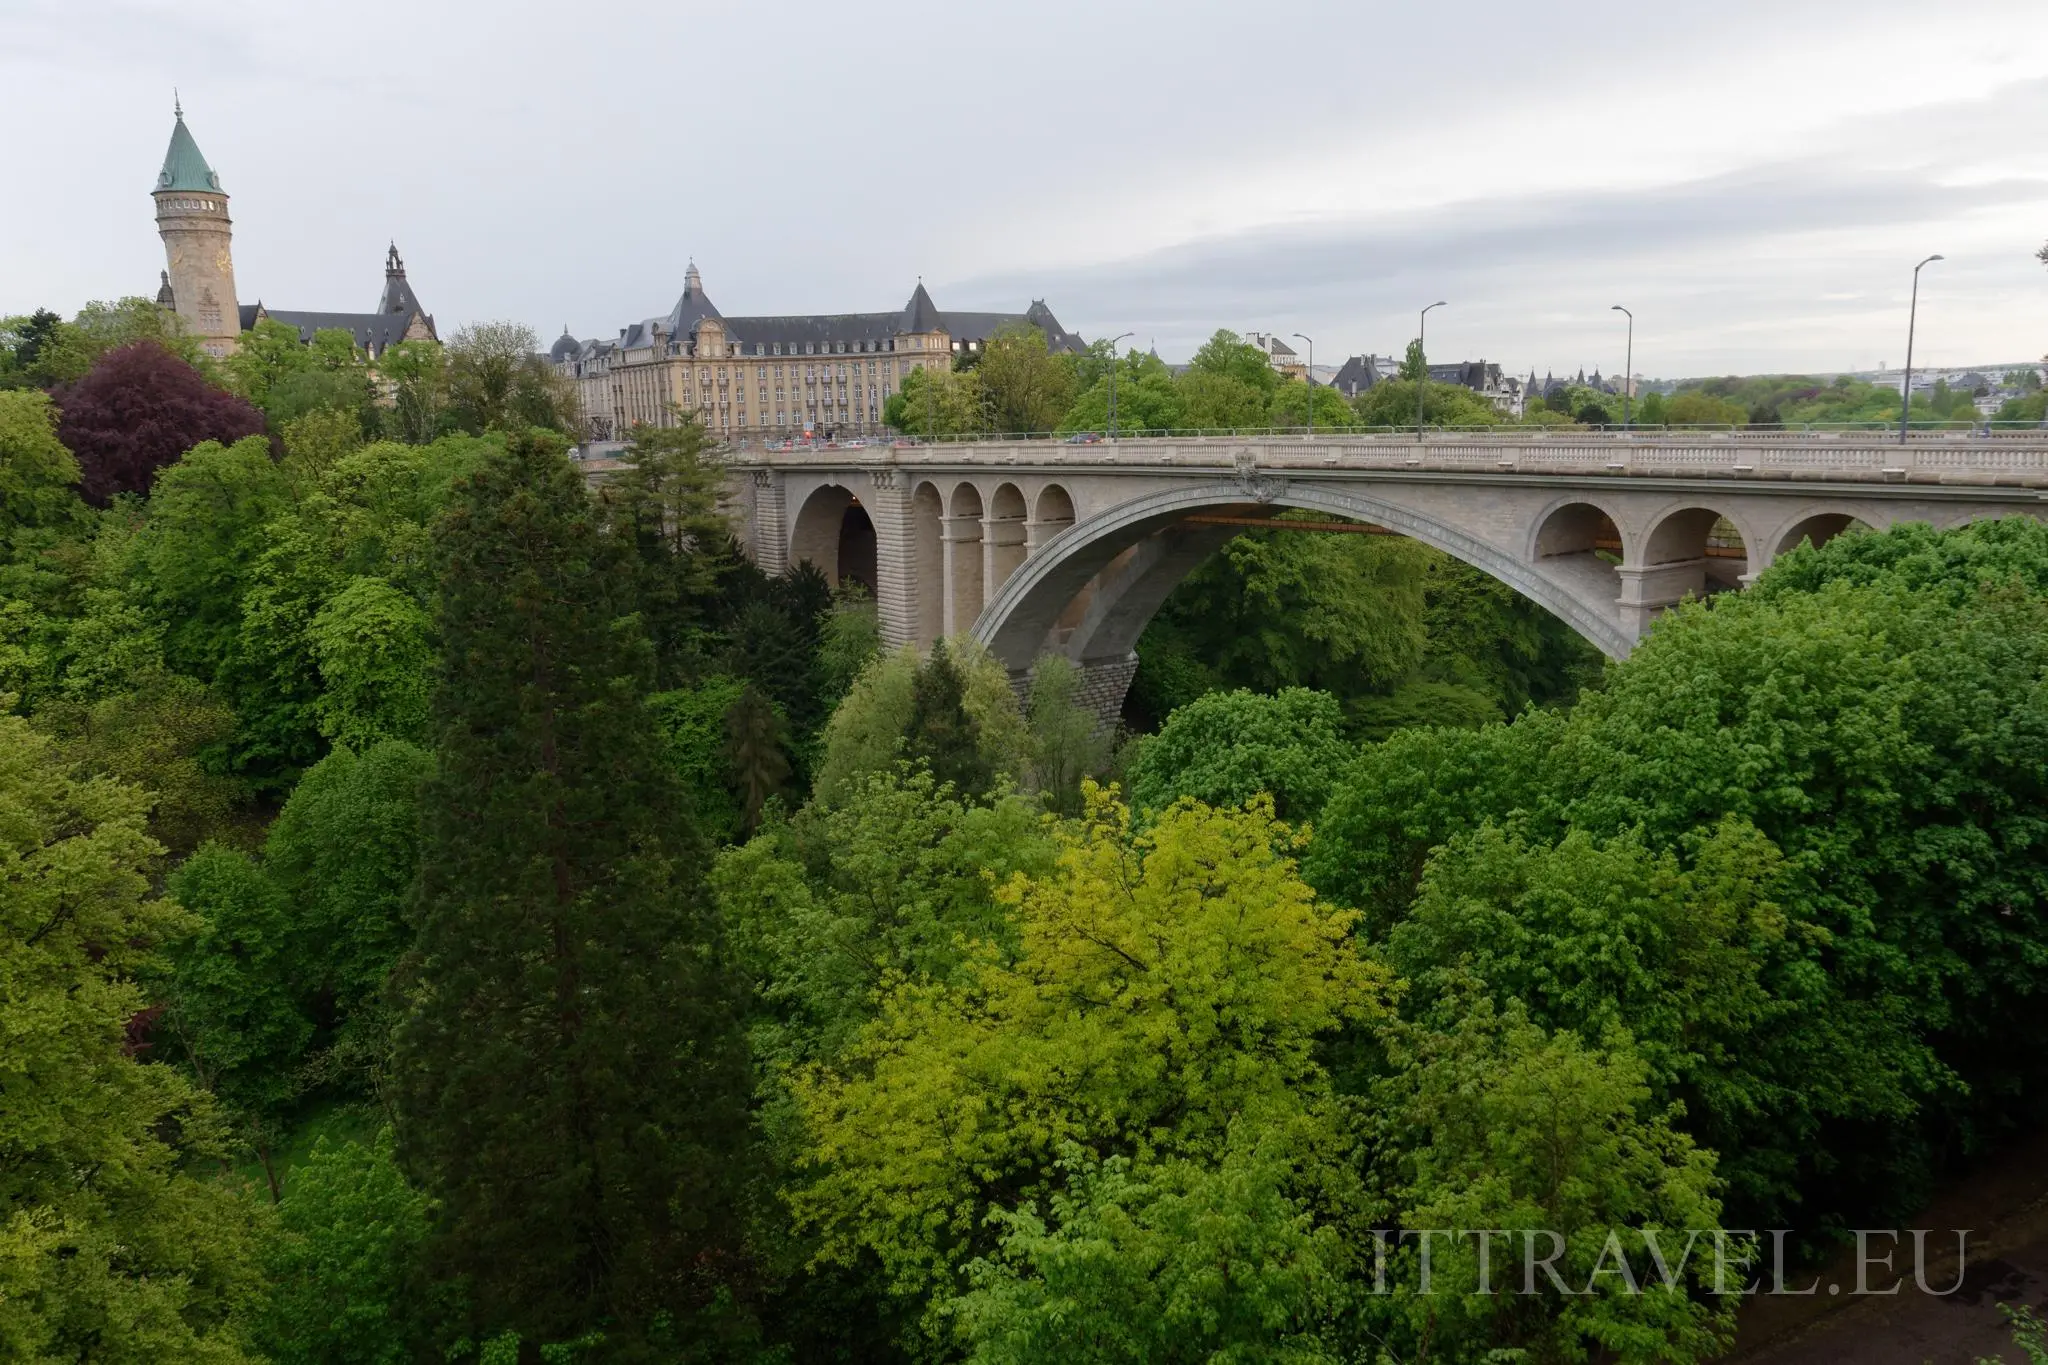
[1044, 546]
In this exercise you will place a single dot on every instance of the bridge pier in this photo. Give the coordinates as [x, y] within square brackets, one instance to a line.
[1647, 589]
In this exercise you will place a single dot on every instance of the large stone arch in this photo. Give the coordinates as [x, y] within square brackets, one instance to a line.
[1135, 552]
[815, 534]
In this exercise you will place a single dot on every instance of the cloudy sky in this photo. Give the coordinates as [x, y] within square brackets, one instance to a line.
[1755, 178]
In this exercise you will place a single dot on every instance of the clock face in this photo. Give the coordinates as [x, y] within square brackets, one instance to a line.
[222, 262]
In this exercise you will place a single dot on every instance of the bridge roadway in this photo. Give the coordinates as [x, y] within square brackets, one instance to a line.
[1040, 545]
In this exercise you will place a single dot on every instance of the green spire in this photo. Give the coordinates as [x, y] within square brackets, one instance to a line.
[184, 168]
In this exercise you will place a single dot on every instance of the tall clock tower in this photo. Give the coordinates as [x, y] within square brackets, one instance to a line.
[192, 218]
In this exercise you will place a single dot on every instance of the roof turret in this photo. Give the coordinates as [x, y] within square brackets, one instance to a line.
[921, 314]
[184, 167]
[398, 296]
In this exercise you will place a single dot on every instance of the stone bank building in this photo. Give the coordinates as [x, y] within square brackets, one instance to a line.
[770, 378]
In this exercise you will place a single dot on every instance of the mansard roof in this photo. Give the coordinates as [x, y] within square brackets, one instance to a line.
[374, 332]
[184, 167]
[793, 332]
[397, 310]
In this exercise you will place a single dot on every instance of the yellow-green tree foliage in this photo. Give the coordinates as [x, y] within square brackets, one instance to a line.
[109, 1249]
[1166, 989]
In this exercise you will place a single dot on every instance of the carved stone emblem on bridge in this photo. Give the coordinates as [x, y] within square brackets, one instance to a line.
[763, 478]
[1257, 486]
[882, 479]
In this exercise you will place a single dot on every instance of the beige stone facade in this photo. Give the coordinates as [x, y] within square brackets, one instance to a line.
[772, 378]
[192, 218]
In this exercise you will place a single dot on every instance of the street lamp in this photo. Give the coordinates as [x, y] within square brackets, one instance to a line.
[1906, 386]
[1422, 379]
[1311, 380]
[1628, 367]
[1112, 381]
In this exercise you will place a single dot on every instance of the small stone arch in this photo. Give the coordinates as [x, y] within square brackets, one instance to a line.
[928, 557]
[964, 556]
[1702, 536]
[1005, 533]
[1582, 543]
[1820, 528]
[1055, 513]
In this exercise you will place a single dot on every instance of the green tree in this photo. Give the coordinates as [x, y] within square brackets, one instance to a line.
[345, 852]
[343, 1263]
[934, 401]
[1230, 747]
[1069, 742]
[1687, 408]
[849, 638]
[755, 753]
[1494, 1124]
[868, 731]
[1161, 1260]
[1414, 364]
[497, 380]
[1391, 403]
[38, 476]
[112, 1246]
[234, 1011]
[1024, 386]
[1147, 398]
[693, 722]
[665, 504]
[893, 882]
[371, 643]
[941, 736]
[1272, 609]
[209, 516]
[1227, 355]
[569, 1074]
[265, 356]
[1164, 1002]
[417, 372]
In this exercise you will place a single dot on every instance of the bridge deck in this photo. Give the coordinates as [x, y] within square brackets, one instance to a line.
[2017, 460]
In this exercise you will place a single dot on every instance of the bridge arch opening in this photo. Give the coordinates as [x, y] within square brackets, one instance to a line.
[927, 530]
[1055, 513]
[1090, 596]
[833, 531]
[1580, 543]
[1819, 529]
[1006, 534]
[1701, 550]
[963, 555]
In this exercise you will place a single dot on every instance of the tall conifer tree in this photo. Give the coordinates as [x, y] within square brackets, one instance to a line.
[941, 734]
[569, 1074]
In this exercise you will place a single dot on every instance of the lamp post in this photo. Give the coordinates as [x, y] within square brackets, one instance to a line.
[1311, 380]
[1906, 384]
[1112, 381]
[1422, 379]
[1628, 366]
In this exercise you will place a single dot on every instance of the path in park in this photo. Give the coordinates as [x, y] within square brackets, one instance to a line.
[2006, 1207]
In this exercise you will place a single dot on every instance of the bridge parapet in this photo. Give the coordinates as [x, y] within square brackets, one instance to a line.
[2002, 460]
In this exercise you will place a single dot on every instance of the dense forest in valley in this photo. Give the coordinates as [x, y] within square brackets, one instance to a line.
[455, 912]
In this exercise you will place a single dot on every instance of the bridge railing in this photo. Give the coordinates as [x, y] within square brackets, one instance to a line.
[1505, 432]
[1857, 454]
